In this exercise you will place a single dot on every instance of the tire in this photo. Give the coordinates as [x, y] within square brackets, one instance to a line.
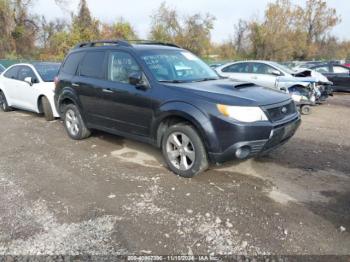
[3, 103]
[305, 110]
[47, 109]
[74, 123]
[188, 156]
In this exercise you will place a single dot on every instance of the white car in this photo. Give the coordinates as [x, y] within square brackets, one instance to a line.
[270, 74]
[30, 87]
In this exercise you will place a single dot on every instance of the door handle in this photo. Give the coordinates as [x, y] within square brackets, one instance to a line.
[75, 84]
[107, 90]
[254, 77]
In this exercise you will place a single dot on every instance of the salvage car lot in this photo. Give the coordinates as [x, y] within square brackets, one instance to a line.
[108, 195]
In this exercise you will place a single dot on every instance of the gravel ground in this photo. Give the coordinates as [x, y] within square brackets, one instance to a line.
[107, 195]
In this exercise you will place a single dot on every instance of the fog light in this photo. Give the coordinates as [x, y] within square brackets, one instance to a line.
[243, 152]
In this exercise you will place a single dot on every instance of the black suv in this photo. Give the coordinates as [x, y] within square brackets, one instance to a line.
[163, 95]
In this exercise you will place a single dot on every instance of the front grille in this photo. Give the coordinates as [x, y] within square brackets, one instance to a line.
[278, 113]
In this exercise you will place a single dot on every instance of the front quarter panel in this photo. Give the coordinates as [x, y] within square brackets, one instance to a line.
[194, 115]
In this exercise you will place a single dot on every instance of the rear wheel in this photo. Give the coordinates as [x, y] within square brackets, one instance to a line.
[3, 103]
[74, 124]
[47, 109]
[183, 151]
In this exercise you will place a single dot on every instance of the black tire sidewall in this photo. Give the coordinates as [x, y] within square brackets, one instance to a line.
[201, 159]
[306, 110]
[72, 107]
[47, 109]
[7, 108]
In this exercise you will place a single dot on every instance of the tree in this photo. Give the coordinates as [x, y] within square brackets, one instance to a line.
[84, 27]
[165, 25]
[119, 30]
[191, 32]
[6, 22]
[318, 20]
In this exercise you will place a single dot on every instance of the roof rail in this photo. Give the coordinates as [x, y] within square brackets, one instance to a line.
[126, 43]
[151, 42]
[103, 42]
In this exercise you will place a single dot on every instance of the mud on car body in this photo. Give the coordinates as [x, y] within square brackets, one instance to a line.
[165, 96]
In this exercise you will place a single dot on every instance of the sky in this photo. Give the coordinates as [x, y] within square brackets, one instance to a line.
[227, 12]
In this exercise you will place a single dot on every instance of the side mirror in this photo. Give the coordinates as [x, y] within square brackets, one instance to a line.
[29, 80]
[276, 73]
[137, 79]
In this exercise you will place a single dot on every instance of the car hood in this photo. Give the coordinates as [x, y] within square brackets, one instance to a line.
[229, 92]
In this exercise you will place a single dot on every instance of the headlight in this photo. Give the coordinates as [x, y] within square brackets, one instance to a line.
[243, 113]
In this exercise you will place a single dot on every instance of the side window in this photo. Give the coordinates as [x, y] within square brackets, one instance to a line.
[120, 66]
[12, 73]
[322, 69]
[24, 72]
[71, 64]
[92, 65]
[340, 70]
[237, 68]
[259, 68]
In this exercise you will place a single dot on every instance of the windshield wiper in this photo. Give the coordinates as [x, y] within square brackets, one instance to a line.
[172, 81]
[207, 79]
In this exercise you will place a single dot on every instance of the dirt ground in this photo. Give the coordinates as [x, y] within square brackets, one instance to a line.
[108, 195]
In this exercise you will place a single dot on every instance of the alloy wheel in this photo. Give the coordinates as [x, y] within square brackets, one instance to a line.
[180, 151]
[72, 122]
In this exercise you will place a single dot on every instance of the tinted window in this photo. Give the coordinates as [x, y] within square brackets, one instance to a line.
[47, 72]
[12, 73]
[322, 69]
[72, 62]
[24, 72]
[340, 70]
[92, 65]
[120, 66]
[259, 68]
[237, 68]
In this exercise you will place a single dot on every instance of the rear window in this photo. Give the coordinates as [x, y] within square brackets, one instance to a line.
[92, 65]
[12, 72]
[71, 64]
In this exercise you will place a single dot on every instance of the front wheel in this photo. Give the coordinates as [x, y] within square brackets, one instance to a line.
[47, 109]
[3, 103]
[305, 110]
[183, 151]
[74, 124]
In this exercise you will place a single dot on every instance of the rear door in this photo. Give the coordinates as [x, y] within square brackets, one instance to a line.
[10, 85]
[342, 77]
[88, 82]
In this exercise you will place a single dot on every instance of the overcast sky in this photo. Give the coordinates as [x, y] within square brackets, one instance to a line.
[227, 12]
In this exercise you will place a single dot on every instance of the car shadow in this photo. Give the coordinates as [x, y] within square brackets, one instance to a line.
[313, 157]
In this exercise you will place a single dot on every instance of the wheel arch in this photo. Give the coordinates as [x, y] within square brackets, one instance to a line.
[183, 113]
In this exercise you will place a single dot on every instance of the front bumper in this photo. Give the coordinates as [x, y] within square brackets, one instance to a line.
[279, 135]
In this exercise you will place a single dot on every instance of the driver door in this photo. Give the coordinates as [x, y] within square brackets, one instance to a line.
[27, 93]
[262, 75]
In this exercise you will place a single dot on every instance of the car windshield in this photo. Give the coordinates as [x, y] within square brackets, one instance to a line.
[178, 66]
[47, 72]
[2, 68]
[283, 68]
